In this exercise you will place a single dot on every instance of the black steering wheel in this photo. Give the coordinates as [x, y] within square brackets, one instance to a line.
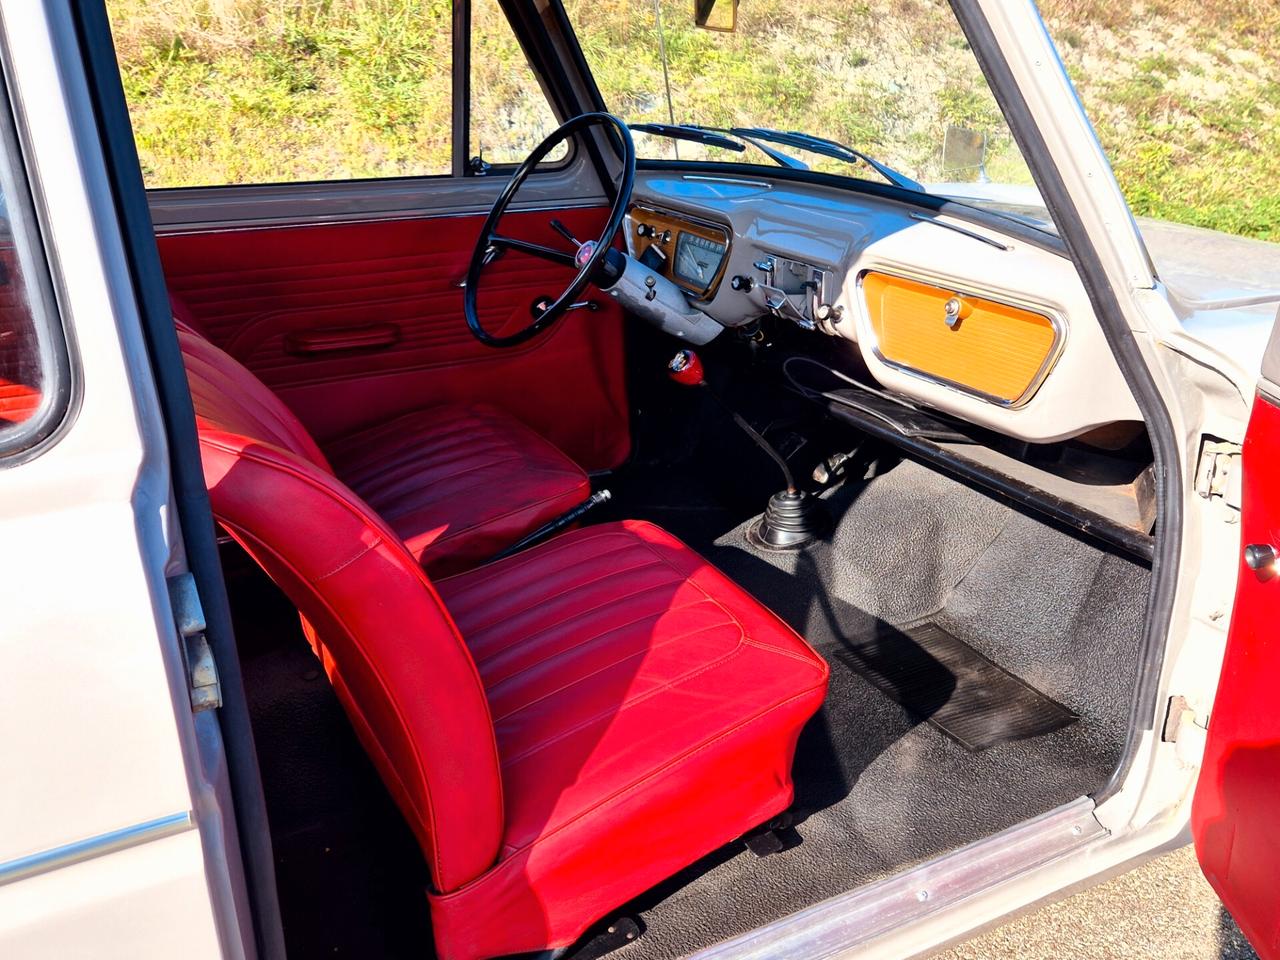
[587, 260]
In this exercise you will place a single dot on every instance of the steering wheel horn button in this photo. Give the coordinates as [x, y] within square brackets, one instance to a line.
[586, 251]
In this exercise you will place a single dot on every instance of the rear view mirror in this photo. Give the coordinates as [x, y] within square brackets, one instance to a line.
[721, 15]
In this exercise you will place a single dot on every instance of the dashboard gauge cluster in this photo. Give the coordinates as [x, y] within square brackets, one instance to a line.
[691, 253]
[698, 259]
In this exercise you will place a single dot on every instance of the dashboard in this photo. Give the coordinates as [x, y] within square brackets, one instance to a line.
[991, 327]
[689, 252]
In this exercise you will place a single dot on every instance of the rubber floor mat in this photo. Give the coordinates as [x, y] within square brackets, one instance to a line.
[942, 679]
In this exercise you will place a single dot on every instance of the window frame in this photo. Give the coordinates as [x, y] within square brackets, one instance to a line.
[59, 386]
[460, 151]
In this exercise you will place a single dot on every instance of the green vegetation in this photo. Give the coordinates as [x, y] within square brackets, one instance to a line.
[1185, 96]
[1186, 99]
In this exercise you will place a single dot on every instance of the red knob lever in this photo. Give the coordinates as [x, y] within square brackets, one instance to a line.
[685, 368]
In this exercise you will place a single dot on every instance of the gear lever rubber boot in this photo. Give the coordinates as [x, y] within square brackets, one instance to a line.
[792, 519]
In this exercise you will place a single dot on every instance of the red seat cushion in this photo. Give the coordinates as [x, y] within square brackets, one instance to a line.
[563, 729]
[646, 711]
[458, 484]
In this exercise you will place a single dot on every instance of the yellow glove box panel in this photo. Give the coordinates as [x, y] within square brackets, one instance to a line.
[991, 349]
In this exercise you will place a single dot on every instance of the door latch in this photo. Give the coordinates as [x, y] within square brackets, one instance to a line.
[202, 672]
[1185, 730]
[1218, 472]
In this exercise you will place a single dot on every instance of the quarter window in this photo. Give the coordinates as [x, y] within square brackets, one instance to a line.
[34, 376]
[510, 114]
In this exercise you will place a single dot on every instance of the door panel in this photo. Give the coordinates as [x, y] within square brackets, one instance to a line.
[356, 323]
[1237, 802]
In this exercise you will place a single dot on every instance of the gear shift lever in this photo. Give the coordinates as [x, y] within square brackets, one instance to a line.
[792, 518]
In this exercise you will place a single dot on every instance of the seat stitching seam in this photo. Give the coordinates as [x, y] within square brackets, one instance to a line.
[551, 549]
[502, 516]
[396, 472]
[429, 449]
[354, 460]
[588, 640]
[585, 641]
[628, 704]
[708, 565]
[419, 482]
[543, 600]
[390, 426]
[346, 563]
[611, 664]
[781, 651]
[525, 638]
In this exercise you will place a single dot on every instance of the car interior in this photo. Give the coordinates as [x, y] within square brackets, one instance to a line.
[621, 575]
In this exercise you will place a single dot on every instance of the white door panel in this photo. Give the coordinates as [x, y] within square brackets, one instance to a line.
[99, 850]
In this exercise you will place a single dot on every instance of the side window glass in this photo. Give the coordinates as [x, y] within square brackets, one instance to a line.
[509, 114]
[34, 377]
[285, 92]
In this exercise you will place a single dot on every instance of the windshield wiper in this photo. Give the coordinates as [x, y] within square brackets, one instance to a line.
[688, 131]
[826, 148]
[717, 137]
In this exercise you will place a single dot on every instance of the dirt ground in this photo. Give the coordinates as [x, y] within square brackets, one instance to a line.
[1164, 910]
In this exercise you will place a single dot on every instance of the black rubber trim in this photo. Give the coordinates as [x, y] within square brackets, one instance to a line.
[1010, 489]
[191, 497]
[881, 191]
[1106, 304]
[460, 76]
[939, 678]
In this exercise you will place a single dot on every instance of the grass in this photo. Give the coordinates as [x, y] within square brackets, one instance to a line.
[1184, 94]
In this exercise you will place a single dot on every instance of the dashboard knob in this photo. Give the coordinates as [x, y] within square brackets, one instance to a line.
[666, 236]
[644, 230]
[745, 284]
[829, 313]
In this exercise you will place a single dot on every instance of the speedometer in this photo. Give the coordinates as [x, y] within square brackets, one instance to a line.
[698, 260]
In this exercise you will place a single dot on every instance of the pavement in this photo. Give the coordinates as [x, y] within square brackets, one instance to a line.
[1164, 910]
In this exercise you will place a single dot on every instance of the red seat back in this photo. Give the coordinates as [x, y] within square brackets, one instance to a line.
[396, 660]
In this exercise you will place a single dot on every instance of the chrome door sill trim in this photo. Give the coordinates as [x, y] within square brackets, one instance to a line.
[91, 847]
[849, 920]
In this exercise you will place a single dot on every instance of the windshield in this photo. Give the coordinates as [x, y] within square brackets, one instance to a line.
[903, 90]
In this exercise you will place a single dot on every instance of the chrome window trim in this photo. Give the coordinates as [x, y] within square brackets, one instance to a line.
[91, 847]
[39, 277]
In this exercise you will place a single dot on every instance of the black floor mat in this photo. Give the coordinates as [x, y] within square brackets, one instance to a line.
[942, 679]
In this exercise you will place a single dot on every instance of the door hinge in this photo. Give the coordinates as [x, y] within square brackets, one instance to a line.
[202, 672]
[1185, 730]
[1218, 471]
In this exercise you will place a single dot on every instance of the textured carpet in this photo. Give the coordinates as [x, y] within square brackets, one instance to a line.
[877, 789]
